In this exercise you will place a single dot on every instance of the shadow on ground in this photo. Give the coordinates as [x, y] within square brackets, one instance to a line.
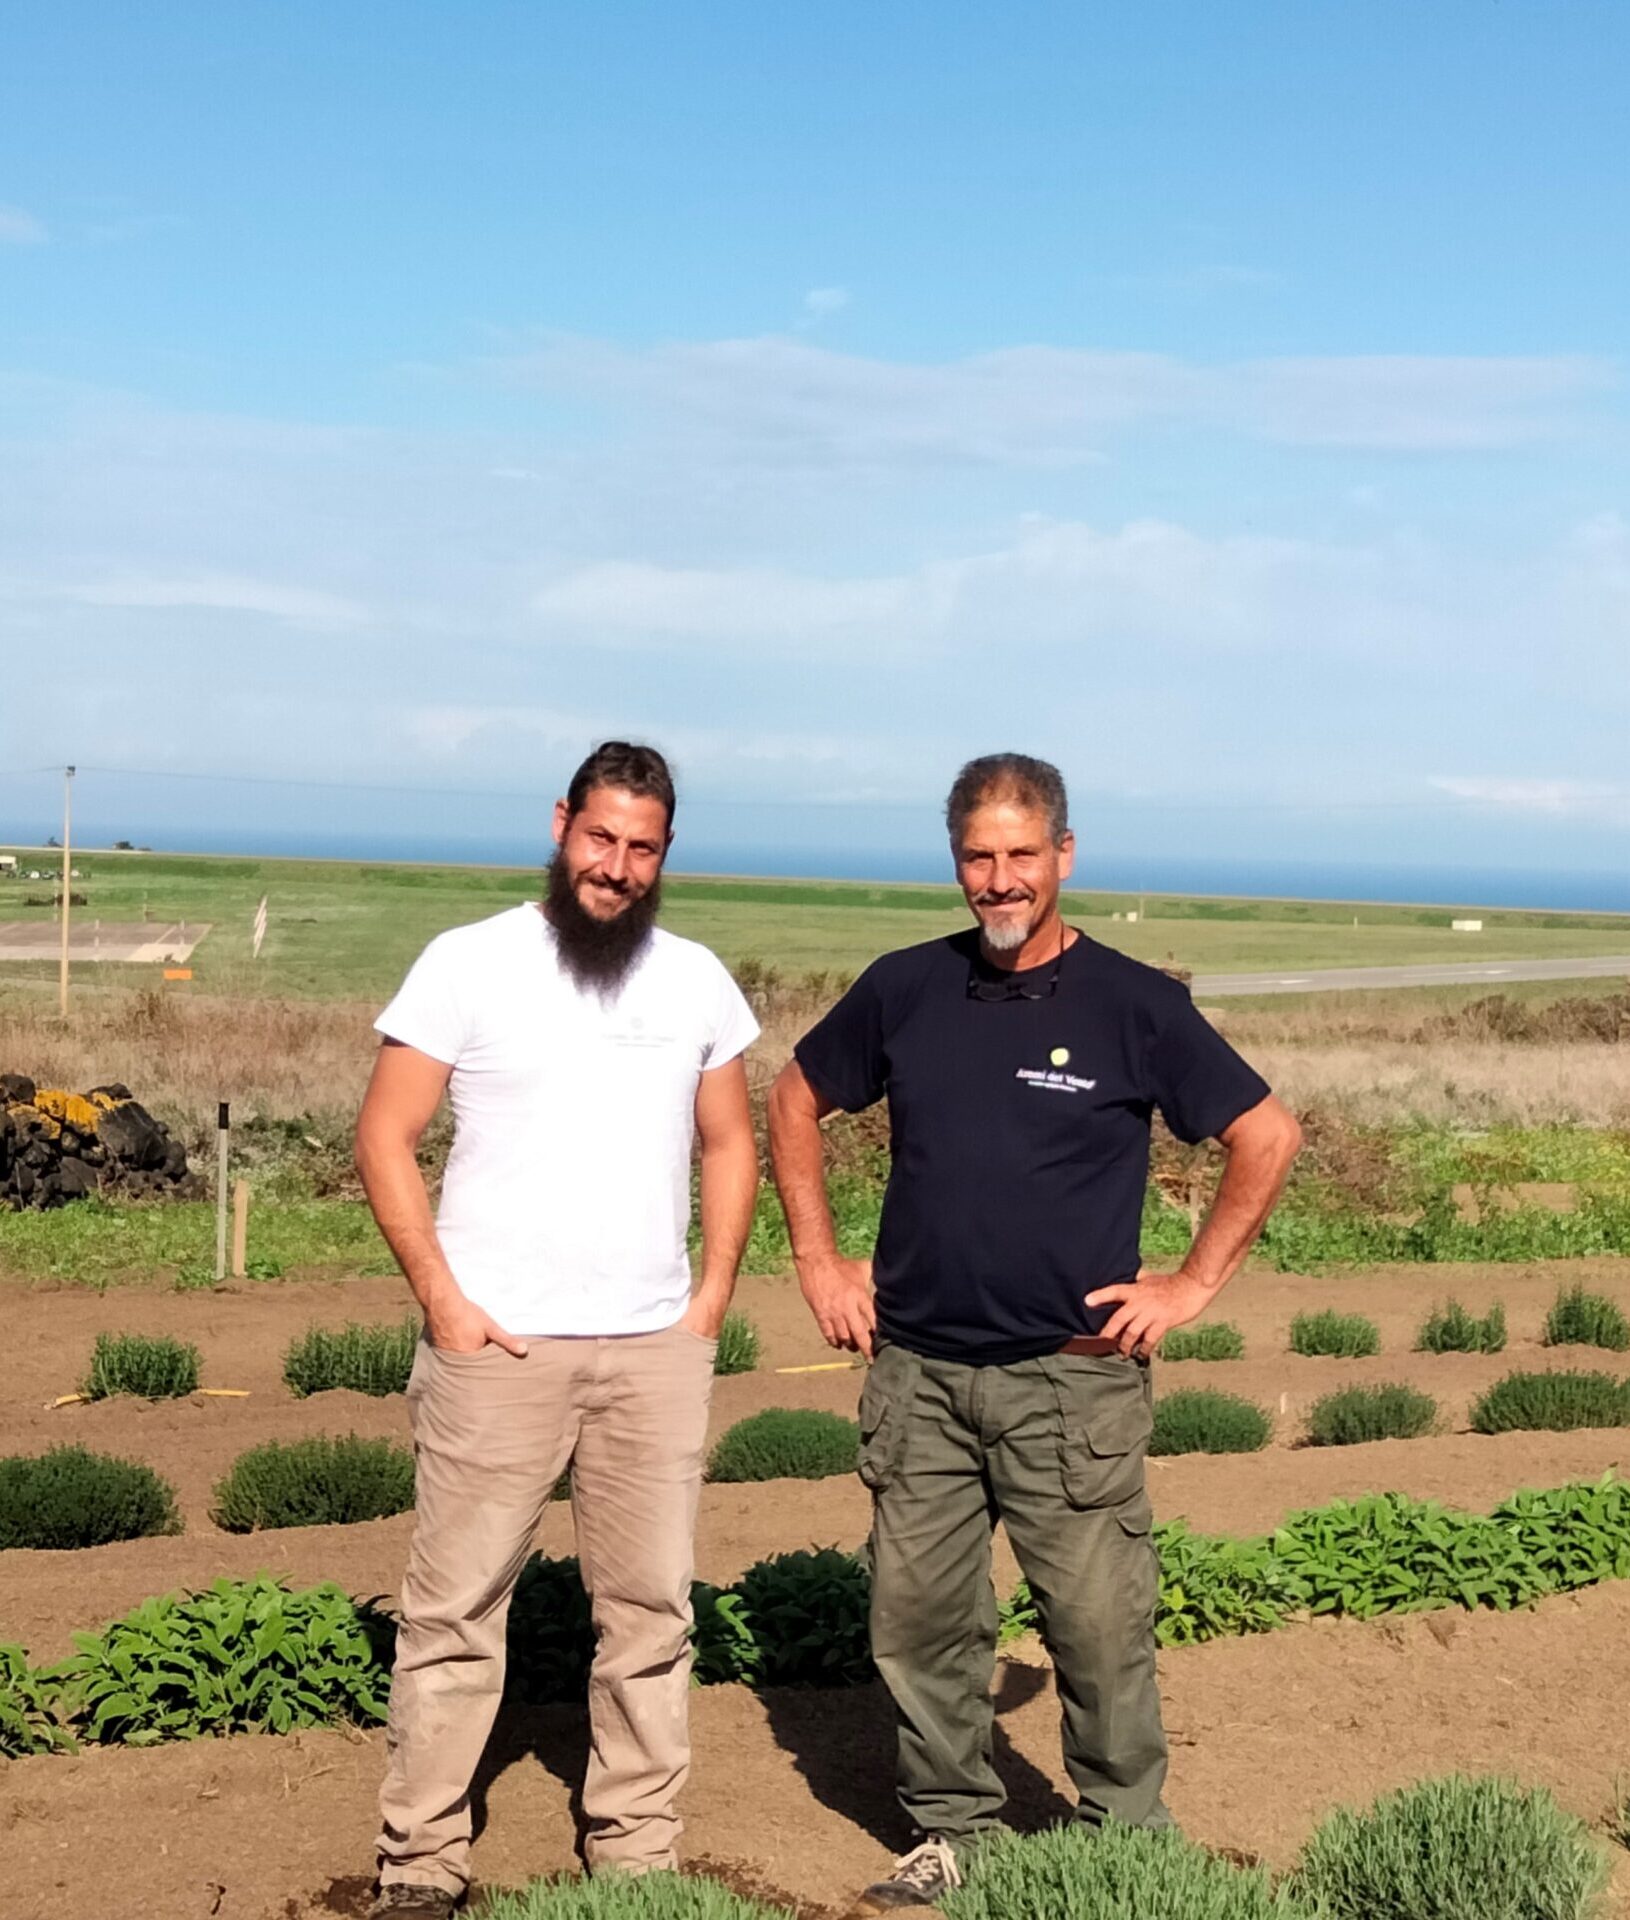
[842, 1743]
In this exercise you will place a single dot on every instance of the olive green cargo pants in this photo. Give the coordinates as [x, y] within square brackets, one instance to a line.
[1053, 1448]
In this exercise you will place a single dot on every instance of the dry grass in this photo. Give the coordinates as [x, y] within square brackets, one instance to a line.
[1367, 1059]
[1379, 1058]
[273, 1059]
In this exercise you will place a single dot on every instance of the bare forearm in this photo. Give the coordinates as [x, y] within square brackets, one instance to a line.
[1252, 1181]
[800, 1175]
[729, 1191]
[401, 1207]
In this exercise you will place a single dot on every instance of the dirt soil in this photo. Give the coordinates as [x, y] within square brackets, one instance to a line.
[1267, 1733]
[242, 1333]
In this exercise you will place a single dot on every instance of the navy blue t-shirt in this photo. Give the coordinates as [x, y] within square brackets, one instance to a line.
[1020, 1133]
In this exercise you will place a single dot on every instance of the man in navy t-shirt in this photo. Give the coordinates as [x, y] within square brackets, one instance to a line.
[1006, 1313]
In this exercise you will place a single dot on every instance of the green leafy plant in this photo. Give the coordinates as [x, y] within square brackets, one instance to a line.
[786, 1443]
[1386, 1553]
[724, 1645]
[1347, 1336]
[1453, 1849]
[1575, 1535]
[1451, 1329]
[1199, 1420]
[1070, 1873]
[1212, 1586]
[366, 1359]
[317, 1482]
[1552, 1403]
[738, 1344]
[1370, 1413]
[242, 1656]
[807, 1612]
[1585, 1319]
[1210, 1340]
[620, 1896]
[149, 1366]
[550, 1636]
[73, 1498]
[28, 1720]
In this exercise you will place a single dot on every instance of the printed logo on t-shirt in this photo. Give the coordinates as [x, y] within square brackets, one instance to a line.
[1054, 1079]
[637, 1034]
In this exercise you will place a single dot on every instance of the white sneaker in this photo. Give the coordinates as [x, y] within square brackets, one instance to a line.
[918, 1880]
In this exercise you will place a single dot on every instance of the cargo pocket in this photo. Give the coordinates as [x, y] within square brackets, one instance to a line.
[1104, 1422]
[885, 1414]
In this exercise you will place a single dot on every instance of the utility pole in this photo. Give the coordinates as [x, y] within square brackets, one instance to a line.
[67, 887]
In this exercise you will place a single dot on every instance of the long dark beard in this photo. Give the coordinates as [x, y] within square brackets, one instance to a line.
[599, 955]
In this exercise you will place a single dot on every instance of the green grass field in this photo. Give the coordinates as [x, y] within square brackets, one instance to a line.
[349, 930]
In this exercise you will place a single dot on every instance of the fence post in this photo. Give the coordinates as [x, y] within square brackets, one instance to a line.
[223, 1130]
[240, 1227]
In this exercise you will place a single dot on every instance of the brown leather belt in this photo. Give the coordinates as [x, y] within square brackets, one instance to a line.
[1090, 1343]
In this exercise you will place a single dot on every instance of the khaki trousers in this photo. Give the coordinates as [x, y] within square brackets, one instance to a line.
[491, 1435]
[1053, 1448]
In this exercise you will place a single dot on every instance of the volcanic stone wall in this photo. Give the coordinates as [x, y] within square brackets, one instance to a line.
[57, 1146]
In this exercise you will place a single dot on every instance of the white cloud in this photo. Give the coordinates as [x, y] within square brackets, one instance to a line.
[301, 606]
[1056, 585]
[20, 229]
[794, 628]
[820, 301]
[1555, 798]
[791, 401]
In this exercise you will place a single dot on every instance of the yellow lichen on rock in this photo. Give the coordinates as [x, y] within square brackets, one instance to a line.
[106, 1101]
[72, 1109]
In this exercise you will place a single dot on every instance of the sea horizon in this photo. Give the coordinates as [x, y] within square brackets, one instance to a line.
[1439, 883]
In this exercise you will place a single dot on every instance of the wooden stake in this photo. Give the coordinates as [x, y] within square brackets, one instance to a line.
[240, 1227]
[67, 885]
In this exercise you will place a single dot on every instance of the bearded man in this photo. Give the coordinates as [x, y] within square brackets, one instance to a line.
[1011, 1324]
[582, 1048]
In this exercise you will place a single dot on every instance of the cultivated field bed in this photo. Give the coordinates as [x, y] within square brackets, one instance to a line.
[1267, 1732]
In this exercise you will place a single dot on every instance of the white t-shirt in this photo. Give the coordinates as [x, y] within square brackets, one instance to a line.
[567, 1193]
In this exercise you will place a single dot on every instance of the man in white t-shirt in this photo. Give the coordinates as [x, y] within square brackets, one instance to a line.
[582, 1049]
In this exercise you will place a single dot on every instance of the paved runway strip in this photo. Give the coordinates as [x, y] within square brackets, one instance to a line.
[145, 942]
[1493, 974]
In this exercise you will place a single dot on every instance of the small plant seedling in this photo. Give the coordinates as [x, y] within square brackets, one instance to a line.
[1451, 1329]
[786, 1443]
[1370, 1413]
[147, 1366]
[1199, 1420]
[1210, 1340]
[1552, 1403]
[70, 1497]
[1585, 1319]
[1456, 1848]
[1072, 1872]
[375, 1360]
[318, 1482]
[738, 1350]
[661, 1895]
[1346, 1336]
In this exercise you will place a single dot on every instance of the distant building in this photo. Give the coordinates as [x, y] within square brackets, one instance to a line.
[8, 864]
[1465, 926]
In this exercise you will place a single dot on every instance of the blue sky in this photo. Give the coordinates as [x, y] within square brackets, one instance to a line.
[1227, 402]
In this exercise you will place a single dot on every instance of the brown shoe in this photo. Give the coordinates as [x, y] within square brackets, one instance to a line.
[409, 1897]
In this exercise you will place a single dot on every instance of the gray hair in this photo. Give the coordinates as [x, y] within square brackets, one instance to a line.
[1036, 785]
